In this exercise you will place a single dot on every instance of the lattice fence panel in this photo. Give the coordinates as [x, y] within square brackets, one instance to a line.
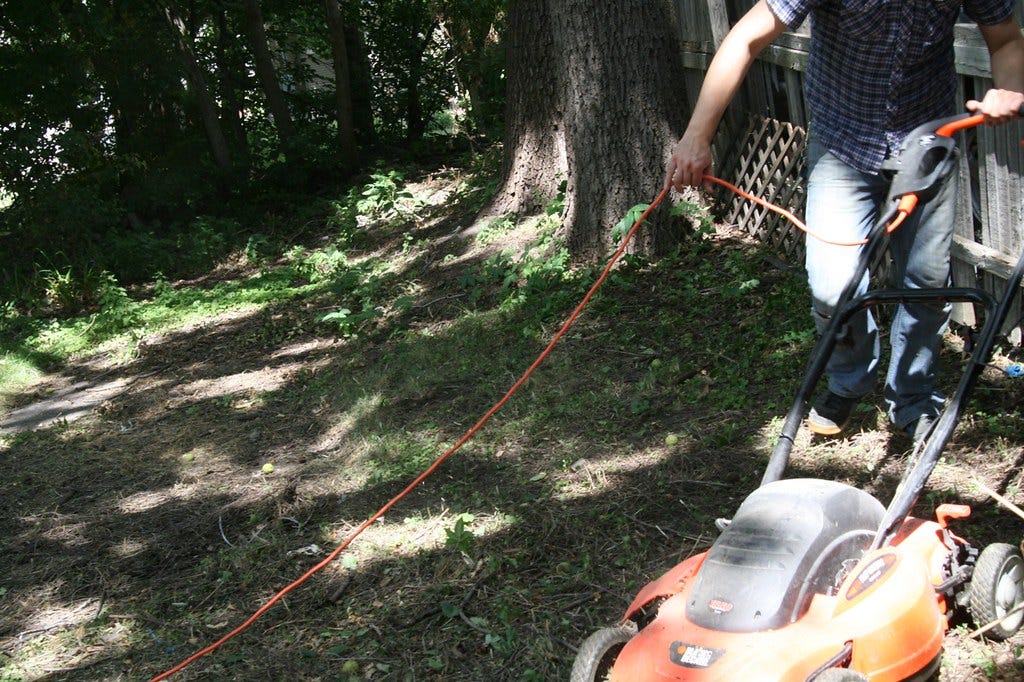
[771, 166]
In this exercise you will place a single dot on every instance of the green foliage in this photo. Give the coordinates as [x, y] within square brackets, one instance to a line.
[206, 240]
[410, 77]
[495, 230]
[459, 537]
[556, 206]
[118, 312]
[60, 290]
[68, 293]
[385, 194]
[360, 285]
[105, 155]
[349, 323]
[538, 281]
[623, 227]
[320, 265]
[474, 29]
[698, 214]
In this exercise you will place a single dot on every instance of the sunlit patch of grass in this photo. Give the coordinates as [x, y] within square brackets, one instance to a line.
[16, 374]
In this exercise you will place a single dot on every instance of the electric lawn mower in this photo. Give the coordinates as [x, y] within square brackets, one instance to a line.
[815, 580]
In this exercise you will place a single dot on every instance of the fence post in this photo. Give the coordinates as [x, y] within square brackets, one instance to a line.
[718, 17]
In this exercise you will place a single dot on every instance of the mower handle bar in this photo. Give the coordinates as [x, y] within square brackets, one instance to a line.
[936, 133]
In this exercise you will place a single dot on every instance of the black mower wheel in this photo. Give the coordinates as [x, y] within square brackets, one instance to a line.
[597, 654]
[841, 675]
[997, 587]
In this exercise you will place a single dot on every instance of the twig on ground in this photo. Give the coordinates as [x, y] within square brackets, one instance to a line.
[220, 526]
[649, 525]
[437, 300]
[988, 626]
[999, 498]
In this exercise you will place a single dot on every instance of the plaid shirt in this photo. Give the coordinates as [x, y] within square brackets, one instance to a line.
[877, 69]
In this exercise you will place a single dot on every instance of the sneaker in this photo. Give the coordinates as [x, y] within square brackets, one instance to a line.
[830, 413]
[920, 428]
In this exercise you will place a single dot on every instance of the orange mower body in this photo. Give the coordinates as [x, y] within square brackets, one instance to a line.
[815, 580]
[888, 610]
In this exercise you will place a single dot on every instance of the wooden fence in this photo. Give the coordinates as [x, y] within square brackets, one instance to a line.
[761, 142]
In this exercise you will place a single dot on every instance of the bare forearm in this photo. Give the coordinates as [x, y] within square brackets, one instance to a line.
[691, 158]
[1008, 66]
[1006, 48]
[723, 79]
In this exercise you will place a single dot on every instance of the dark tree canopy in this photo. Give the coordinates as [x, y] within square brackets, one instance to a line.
[123, 123]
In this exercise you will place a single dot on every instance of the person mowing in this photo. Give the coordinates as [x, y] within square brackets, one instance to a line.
[876, 70]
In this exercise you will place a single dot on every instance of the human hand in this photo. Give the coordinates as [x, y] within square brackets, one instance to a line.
[998, 106]
[690, 162]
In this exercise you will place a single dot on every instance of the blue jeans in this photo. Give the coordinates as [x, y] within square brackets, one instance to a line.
[843, 204]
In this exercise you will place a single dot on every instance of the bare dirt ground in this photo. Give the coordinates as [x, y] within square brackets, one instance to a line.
[143, 526]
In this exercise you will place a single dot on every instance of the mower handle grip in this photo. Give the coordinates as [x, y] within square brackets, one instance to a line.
[958, 123]
[964, 121]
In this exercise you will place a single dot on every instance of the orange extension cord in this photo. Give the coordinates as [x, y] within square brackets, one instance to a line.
[490, 413]
[903, 209]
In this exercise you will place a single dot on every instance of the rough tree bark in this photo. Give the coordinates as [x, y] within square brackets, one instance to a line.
[535, 158]
[595, 92]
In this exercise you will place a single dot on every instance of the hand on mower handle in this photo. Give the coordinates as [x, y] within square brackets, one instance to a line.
[998, 106]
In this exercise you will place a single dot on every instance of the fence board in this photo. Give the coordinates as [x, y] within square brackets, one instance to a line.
[770, 166]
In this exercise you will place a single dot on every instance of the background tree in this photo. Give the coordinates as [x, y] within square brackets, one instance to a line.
[534, 161]
[595, 95]
[229, 63]
[402, 40]
[266, 71]
[119, 120]
[342, 82]
[208, 110]
[473, 30]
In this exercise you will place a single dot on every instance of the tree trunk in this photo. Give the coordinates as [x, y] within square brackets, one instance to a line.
[342, 83]
[415, 125]
[624, 106]
[361, 83]
[267, 73]
[231, 112]
[601, 82]
[473, 43]
[208, 112]
[535, 156]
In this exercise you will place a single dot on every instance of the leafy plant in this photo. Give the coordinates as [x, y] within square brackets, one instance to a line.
[628, 221]
[698, 214]
[347, 322]
[385, 194]
[556, 206]
[539, 280]
[256, 248]
[60, 291]
[459, 537]
[206, 239]
[495, 230]
[319, 265]
[117, 313]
